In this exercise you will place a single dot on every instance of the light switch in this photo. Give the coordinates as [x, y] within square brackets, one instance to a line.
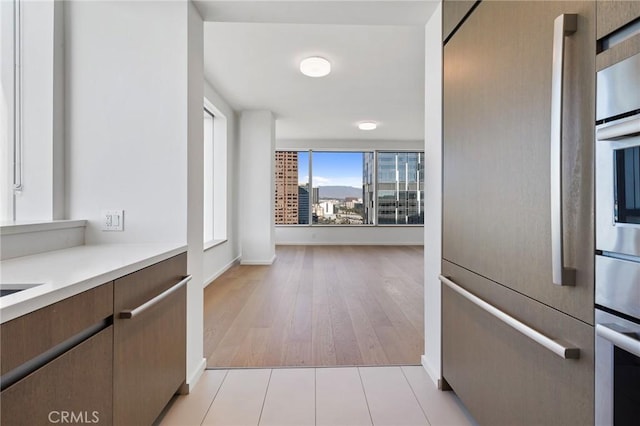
[113, 220]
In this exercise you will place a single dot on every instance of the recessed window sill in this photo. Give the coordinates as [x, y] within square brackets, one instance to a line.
[213, 243]
[11, 228]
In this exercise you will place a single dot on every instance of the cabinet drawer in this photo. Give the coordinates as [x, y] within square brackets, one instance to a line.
[78, 383]
[149, 347]
[52, 325]
[135, 289]
[504, 377]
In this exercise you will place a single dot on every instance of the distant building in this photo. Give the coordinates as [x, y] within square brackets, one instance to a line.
[399, 187]
[286, 203]
[303, 204]
[328, 207]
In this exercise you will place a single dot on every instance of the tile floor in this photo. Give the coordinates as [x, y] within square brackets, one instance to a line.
[343, 396]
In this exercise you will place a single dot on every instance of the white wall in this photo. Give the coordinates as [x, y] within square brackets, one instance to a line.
[134, 92]
[196, 363]
[257, 171]
[218, 258]
[433, 195]
[126, 124]
[375, 235]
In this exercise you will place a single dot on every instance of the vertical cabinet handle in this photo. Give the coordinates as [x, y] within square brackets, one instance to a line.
[564, 25]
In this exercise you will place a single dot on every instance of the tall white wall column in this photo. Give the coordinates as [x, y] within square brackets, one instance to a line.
[256, 199]
[433, 196]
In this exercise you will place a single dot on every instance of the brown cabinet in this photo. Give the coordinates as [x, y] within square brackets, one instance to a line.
[504, 377]
[497, 224]
[73, 388]
[453, 12]
[497, 177]
[618, 31]
[57, 362]
[614, 14]
[149, 340]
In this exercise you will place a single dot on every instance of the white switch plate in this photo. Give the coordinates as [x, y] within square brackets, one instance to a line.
[113, 220]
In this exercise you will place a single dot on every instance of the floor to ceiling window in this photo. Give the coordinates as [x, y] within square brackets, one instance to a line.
[349, 188]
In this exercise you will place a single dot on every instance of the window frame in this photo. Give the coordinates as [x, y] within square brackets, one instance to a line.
[219, 168]
[375, 153]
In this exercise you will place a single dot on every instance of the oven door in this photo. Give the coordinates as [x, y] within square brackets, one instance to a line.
[617, 370]
[618, 186]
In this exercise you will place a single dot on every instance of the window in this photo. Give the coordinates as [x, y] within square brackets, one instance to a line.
[400, 195]
[32, 185]
[8, 42]
[215, 177]
[349, 188]
[337, 177]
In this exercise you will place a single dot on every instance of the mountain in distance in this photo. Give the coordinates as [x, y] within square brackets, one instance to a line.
[339, 192]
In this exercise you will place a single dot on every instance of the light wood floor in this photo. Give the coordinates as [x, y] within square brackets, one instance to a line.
[318, 306]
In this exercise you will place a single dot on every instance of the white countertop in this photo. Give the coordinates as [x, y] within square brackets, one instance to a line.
[71, 271]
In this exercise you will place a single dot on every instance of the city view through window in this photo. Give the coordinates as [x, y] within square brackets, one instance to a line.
[349, 188]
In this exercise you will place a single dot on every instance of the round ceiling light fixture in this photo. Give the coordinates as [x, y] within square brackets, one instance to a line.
[367, 125]
[315, 66]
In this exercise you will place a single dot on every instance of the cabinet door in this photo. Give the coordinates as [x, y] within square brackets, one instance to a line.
[497, 114]
[453, 11]
[74, 388]
[150, 348]
[614, 14]
[504, 377]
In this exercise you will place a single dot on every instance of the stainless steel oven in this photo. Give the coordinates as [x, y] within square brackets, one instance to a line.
[618, 158]
[617, 370]
[617, 315]
[617, 333]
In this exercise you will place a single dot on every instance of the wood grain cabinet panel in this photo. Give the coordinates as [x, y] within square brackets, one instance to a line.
[150, 348]
[496, 160]
[74, 388]
[28, 336]
[614, 14]
[453, 11]
[504, 377]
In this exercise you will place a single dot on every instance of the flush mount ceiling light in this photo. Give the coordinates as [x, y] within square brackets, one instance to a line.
[367, 125]
[315, 66]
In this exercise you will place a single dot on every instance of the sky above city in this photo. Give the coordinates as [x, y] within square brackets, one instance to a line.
[331, 168]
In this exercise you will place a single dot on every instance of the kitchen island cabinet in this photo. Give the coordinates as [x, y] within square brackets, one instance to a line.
[58, 361]
[77, 360]
[149, 340]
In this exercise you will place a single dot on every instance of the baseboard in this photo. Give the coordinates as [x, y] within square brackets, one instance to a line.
[349, 243]
[191, 381]
[258, 262]
[222, 270]
[435, 378]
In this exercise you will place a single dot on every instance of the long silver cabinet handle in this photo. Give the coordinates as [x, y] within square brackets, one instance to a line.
[553, 345]
[620, 340]
[563, 26]
[131, 313]
[625, 129]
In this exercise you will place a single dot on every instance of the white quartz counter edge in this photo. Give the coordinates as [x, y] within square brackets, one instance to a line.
[65, 273]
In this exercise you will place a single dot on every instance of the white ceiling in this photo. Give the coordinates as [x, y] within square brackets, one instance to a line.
[377, 69]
